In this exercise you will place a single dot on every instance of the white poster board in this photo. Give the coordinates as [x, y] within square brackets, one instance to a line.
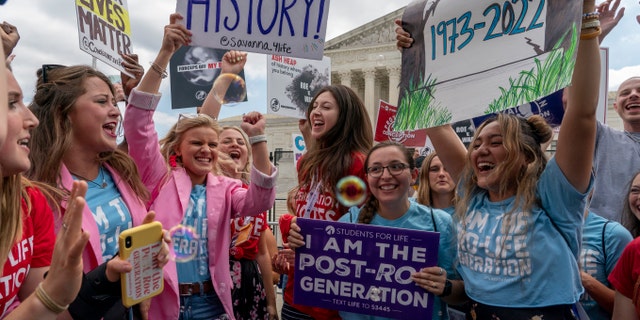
[293, 82]
[472, 58]
[290, 28]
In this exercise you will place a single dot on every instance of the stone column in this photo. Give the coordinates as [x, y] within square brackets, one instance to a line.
[345, 78]
[394, 81]
[369, 75]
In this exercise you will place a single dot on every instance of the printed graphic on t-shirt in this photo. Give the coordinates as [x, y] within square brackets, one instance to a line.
[502, 255]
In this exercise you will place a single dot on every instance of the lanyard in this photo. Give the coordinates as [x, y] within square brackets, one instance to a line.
[312, 197]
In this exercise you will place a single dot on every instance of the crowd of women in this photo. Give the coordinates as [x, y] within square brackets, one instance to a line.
[68, 190]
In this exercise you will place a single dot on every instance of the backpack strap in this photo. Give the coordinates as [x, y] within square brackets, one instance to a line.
[604, 248]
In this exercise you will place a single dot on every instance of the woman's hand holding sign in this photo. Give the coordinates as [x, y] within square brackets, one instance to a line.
[295, 239]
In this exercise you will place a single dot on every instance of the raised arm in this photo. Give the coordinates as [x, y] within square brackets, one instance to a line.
[232, 62]
[576, 141]
[175, 36]
[450, 149]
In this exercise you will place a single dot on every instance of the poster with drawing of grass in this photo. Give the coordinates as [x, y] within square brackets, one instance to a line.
[471, 58]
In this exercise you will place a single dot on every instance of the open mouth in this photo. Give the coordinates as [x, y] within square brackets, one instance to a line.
[485, 166]
[235, 155]
[203, 159]
[110, 128]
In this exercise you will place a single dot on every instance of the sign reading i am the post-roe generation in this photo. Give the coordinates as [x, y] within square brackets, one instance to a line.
[363, 268]
[281, 27]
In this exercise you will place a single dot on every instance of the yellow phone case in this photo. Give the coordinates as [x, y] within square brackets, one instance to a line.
[139, 246]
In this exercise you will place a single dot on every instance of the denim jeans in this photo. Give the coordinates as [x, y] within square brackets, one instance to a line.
[202, 307]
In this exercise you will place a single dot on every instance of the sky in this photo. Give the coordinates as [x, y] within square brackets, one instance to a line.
[48, 31]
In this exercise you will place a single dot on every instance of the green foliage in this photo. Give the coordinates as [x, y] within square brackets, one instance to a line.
[418, 109]
[545, 78]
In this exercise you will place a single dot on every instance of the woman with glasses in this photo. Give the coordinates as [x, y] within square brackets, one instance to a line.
[338, 135]
[76, 140]
[177, 170]
[390, 172]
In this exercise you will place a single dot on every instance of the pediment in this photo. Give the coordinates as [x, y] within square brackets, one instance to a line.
[380, 31]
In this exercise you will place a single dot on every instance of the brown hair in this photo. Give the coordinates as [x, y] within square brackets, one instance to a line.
[425, 196]
[629, 220]
[331, 156]
[52, 103]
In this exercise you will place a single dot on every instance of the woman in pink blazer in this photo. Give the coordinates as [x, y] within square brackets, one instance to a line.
[188, 197]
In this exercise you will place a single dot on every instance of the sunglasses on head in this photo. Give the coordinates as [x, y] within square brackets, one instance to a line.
[46, 68]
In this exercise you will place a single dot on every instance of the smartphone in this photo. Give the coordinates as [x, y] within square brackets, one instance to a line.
[140, 246]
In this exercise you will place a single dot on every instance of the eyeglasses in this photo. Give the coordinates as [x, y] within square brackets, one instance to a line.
[46, 68]
[394, 169]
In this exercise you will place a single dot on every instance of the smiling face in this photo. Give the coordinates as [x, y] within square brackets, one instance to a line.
[634, 197]
[387, 188]
[440, 181]
[488, 154]
[95, 117]
[20, 121]
[324, 115]
[627, 104]
[232, 142]
[198, 152]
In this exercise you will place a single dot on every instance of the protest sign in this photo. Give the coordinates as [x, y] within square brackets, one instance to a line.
[363, 268]
[299, 147]
[290, 28]
[385, 132]
[293, 82]
[472, 58]
[104, 30]
[193, 71]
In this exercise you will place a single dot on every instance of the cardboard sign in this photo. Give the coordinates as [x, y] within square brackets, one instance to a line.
[363, 268]
[473, 58]
[293, 82]
[289, 28]
[104, 30]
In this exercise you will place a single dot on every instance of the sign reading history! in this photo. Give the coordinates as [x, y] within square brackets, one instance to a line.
[288, 28]
[363, 268]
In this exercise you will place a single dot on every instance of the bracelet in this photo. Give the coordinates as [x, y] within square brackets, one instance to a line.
[259, 138]
[591, 15]
[590, 24]
[156, 68]
[591, 35]
[47, 301]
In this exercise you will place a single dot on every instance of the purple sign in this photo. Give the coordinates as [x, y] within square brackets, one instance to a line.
[364, 269]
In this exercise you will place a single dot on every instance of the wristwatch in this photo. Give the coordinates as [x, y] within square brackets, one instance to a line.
[447, 289]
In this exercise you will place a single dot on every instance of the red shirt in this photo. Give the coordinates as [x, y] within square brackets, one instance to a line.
[625, 277]
[326, 208]
[34, 249]
[245, 236]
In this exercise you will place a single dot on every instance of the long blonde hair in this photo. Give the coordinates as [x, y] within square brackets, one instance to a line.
[245, 175]
[425, 195]
[52, 103]
[521, 139]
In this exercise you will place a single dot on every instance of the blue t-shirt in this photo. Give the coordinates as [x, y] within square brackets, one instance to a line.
[195, 218]
[592, 256]
[532, 262]
[418, 217]
[109, 210]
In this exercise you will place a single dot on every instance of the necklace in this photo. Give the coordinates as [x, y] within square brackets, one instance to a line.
[100, 174]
